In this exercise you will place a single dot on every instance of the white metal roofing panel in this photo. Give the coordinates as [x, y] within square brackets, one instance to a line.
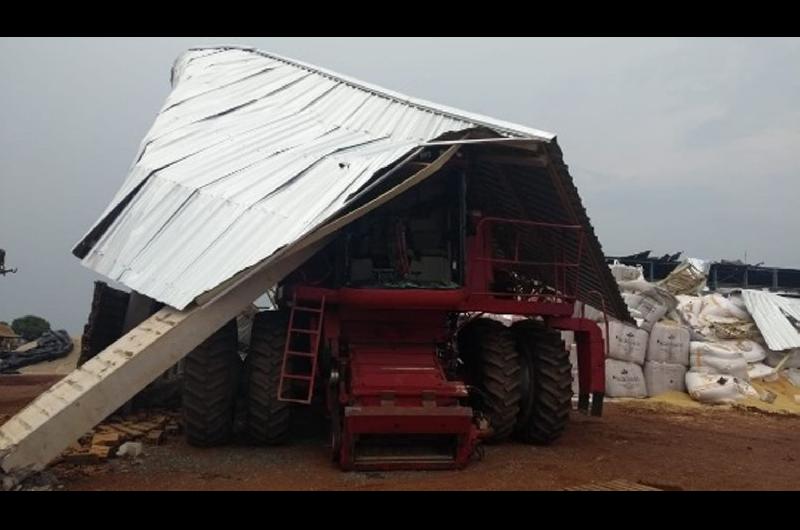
[772, 314]
[250, 152]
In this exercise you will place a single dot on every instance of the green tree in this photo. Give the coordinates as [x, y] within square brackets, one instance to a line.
[30, 327]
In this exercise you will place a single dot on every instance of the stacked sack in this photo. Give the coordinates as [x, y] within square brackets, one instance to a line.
[725, 340]
[626, 348]
[726, 349]
[706, 345]
[626, 345]
[667, 358]
[713, 336]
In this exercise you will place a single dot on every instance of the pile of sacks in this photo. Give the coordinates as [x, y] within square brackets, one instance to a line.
[707, 345]
[641, 364]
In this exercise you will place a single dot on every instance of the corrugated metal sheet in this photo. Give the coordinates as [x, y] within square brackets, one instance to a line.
[772, 314]
[250, 152]
[535, 194]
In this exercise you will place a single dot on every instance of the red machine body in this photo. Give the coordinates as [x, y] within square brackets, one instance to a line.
[393, 377]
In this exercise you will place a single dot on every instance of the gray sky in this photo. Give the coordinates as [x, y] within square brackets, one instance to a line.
[675, 144]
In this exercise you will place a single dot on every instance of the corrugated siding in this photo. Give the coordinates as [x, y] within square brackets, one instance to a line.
[532, 193]
[771, 314]
[250, 152]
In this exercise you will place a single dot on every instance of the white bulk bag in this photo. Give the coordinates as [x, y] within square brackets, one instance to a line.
[669, 343]
[689, 307]
[624, 379]
[573, 355]
[634, 286]
[568, 337]
[716, 388]
[752, 351]
[758, 370]
[575, 383]
[625, 342]
[664, 377]
[718, 358]
[717, 306]
[623, 273]
[573, 360]
[652, 304]
[583, 310]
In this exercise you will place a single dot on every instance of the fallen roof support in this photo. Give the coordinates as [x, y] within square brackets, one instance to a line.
[84, 398]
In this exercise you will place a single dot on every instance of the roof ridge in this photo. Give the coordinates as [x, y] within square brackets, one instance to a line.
[429, 106]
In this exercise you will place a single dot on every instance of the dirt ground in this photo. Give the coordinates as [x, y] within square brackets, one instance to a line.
[664, 444]
[17, 391]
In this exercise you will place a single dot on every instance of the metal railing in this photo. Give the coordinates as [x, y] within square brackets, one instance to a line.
[564, 244]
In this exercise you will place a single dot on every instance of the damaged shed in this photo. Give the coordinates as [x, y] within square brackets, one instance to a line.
[256, 165]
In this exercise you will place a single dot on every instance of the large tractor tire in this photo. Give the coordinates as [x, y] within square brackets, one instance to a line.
[268, 419]
[106, 320]
[546, 383]
[493, 366]
[210, 382]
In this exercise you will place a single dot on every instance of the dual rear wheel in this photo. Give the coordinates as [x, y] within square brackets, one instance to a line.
[214, 376]
[523, 378]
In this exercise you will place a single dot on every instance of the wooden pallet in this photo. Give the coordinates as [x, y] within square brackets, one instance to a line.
[613, 485]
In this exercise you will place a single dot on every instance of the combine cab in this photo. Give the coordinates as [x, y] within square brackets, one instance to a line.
[424, 328]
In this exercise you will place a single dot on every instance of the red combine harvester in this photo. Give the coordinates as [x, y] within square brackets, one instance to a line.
[425, 327]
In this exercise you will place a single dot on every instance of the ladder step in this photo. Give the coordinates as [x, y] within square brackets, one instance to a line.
[309, 309]
[300, 353]
[299, 377]
[305, 331]
[292, 400]
[311, 354]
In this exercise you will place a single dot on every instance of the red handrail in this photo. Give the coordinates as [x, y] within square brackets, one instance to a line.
[559, 267]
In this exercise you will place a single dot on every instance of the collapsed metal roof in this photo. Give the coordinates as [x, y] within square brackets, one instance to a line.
[777, 318]
[253, 151]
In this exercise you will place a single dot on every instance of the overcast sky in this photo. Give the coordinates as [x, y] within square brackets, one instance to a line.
[675, 144]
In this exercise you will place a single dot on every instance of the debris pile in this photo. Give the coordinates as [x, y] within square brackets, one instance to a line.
[716, 346]
[118, 442]
[51, 345]
[123, 437]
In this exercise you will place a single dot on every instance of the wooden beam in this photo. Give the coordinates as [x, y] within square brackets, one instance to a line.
[523, 160]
